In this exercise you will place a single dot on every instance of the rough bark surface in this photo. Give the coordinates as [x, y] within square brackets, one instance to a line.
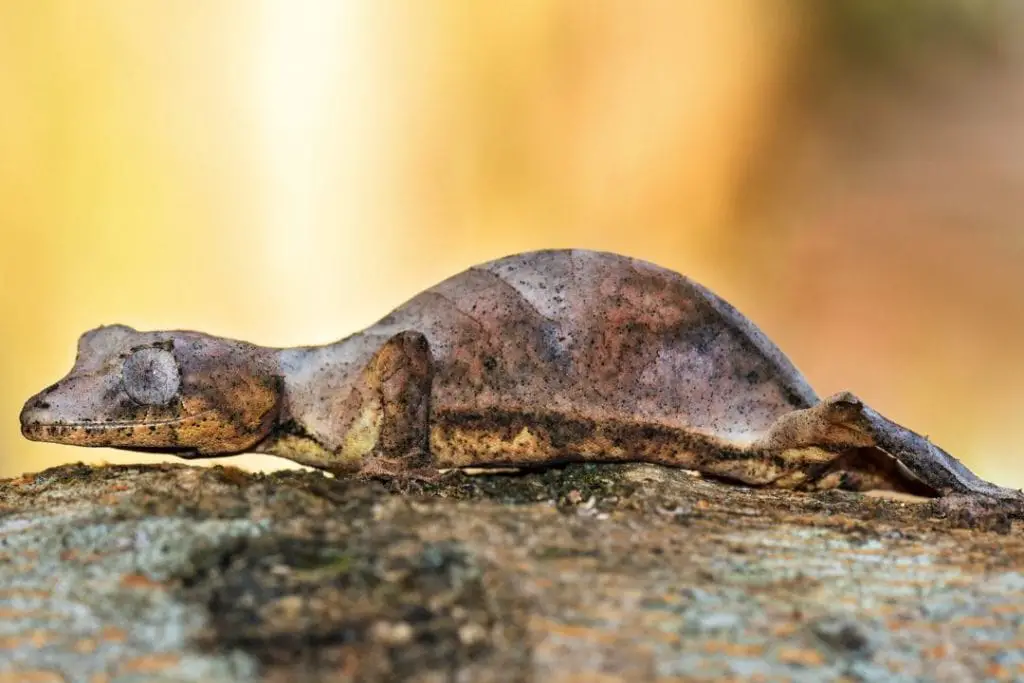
[587, 573]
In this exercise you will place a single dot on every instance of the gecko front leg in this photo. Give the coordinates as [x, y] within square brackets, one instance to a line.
[401, 372]
[858, 441]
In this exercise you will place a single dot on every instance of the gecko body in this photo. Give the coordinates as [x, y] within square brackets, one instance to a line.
[530, 360]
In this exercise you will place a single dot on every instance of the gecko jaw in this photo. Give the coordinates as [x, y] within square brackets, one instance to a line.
[142, 433]
[114, 424]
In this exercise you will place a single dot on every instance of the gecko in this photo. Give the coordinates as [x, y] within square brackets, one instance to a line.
[531, 360]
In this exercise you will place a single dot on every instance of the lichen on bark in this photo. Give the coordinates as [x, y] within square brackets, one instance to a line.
[626, 572]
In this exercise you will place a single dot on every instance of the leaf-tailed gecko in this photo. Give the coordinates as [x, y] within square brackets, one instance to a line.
[534, 359]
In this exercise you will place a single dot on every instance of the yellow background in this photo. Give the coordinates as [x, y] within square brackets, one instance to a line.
[286, 172]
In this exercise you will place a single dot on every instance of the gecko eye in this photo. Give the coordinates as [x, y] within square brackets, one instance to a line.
[151, 376]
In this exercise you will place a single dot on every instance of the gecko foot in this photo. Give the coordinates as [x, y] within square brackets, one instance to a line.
[843, 423]
[399, 469]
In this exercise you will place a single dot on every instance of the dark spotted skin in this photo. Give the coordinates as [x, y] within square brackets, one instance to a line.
[533, 359]
[602, 336]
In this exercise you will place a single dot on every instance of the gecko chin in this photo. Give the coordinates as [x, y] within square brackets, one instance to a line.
[121, 436]
[39, 424]
[203, 433]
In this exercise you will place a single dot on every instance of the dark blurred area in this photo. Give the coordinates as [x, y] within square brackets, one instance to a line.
[847, 173]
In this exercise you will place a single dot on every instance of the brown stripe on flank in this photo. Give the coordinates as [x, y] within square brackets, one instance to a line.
[499, 437]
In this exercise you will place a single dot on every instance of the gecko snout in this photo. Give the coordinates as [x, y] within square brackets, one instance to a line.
[36, 408]
[35, 412]
[37, 402]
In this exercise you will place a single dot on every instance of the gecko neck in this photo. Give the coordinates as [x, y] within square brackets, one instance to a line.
[304, 372]
[314, 378]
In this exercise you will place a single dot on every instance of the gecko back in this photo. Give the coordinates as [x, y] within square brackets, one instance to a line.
[529, 360]
[535, 353]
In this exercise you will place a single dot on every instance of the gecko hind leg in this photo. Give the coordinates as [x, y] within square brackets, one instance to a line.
[402, 373]
[872, 451]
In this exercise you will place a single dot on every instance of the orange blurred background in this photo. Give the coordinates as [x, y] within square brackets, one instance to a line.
[849, 174]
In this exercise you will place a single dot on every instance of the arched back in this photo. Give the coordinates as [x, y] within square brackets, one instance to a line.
[599, 336]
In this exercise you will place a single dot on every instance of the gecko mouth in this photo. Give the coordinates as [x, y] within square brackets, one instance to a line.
[113, 424]
[141, 433]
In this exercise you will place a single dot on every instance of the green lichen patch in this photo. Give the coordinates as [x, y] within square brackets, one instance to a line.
[596, 571]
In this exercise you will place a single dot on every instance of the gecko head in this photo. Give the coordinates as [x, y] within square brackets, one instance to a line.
[184, 392]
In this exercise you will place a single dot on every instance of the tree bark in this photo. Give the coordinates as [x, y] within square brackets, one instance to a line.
[582, 573]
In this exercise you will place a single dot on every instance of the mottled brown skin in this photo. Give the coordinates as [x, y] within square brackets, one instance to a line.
[530, 360]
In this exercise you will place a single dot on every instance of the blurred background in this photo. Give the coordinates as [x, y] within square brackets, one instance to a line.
[850, 174]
